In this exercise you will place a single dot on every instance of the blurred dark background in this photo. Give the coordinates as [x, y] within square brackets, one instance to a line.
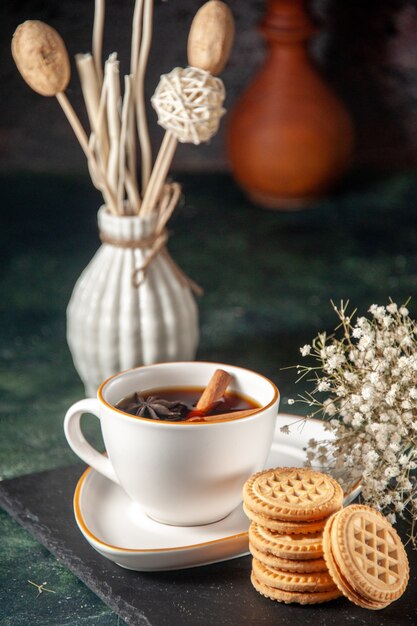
[366, 49]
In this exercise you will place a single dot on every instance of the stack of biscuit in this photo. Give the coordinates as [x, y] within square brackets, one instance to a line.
[307, 549]
[289, 508]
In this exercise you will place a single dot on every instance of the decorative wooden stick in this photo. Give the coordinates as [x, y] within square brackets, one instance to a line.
[113, 120]
[122, 146]
[159, 173]
[97, 174]
[131, 183]
[82, 138]
[139, 61]
[131, 180]
[126, 178]
[136, 36]
[170, 200]
[90, 87]
[97, 43]
[101, 124]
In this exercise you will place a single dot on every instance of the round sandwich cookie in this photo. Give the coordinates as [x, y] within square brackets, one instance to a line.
[285, 527]
[288, 581]
[285, 546]
[365, 556]
[288, 565]
[292, 494]
[290, 597]
[342, 584]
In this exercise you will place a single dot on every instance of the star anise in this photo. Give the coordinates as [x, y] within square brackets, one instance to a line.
[156, 408]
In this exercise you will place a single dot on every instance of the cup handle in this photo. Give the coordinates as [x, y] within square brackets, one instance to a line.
[78, 442]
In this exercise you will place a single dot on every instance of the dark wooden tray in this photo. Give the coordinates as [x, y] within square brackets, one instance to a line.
[214, 595]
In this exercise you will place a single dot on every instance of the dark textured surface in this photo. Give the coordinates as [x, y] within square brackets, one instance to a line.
[206, 596]
[268, 279]
[366, 50]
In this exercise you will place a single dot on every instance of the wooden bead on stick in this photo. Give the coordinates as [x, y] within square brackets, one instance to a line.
[41, 57]
[189, 104]
[211, 37]
[189, 101]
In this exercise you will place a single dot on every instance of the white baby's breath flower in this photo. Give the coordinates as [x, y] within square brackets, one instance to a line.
[368, 392]
[374, 378]
[364, 342]
[369, 378]
[387, 320]
[350, 377]
[329, 408]
[323, 385]
[372, 457]
[377, 311]
[406, 342]
[353, 356]
[357, 420]
[335, 361]
[390, 353]
[403, 362]
[291, 401]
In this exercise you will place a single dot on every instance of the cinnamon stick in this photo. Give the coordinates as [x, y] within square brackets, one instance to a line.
[222, 416]
[214, 391]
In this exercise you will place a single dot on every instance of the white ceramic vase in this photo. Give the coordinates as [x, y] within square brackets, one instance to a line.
[121, 315]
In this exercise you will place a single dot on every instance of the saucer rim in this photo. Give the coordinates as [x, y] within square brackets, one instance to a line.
[84, 528]
[106, 546]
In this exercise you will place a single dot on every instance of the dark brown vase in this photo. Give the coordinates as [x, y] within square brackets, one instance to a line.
[290, 138]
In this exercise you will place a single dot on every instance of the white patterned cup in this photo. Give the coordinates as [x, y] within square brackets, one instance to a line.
[180, 473]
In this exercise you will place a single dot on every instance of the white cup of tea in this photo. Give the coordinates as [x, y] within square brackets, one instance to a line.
[180, 473]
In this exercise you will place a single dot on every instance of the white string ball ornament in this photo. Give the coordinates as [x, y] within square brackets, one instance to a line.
[189, 104]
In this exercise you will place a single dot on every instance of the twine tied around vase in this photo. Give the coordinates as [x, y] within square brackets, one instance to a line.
[155, 242]
[156, 245]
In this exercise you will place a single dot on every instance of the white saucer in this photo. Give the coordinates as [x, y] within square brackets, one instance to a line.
[119, 530]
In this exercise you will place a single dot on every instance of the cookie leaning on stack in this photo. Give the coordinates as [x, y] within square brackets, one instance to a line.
[365, 557]
[289, 508]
